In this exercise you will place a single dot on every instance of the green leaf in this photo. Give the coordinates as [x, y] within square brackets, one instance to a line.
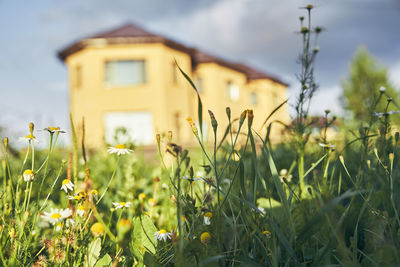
[143, 237]
[105, 261]
[93, 252]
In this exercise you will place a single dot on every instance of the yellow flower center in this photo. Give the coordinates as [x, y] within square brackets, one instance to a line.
[95, 192]
[120, 147]
[80, 207]
[208, 215]
[205, 237]
[55, 216]
[65, 181]
[162, 232]
[29, 136]
[28, 172]
[266, 232]
[142, 196]
[122, 203]
[82, 194]
[77, 197]
[54, 128]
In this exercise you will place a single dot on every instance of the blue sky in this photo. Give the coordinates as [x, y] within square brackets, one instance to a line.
[257, 32]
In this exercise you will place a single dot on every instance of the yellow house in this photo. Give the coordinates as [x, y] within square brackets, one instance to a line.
[127, 78]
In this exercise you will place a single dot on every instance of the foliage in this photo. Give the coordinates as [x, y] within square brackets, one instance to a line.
[361, 88]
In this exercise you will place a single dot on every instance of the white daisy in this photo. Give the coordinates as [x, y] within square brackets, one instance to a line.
[162, 235]
[80, 210]
[59, 227]
[56, 215]
[119, 149]
[29, 138]
[327, 145]
[53, 130]
[120, 205]
[382, 89]
[28, 175]
[67, 185]
[207, 218]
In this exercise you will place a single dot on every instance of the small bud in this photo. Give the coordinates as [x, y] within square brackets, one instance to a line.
[369, 164]
[191, 173]
[228, 112]
[304, 30]
[214, 122]
[382, 89]
[301, 18]
[327, 111]
[389, 99]
[31, 127]
[316, 49]
[169, 136]
[396, 136]
[250, 117]
[156, 179]
[158, 138]
[5, 140]
[318, 29]
[391, 156]
[242, 117]
[309, 7]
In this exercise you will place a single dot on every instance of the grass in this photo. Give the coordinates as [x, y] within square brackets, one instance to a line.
[242, 202]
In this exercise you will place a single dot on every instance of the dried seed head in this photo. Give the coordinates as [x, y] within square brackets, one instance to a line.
[242, 117]
[228, 112]
[5, 140]
[250, 117]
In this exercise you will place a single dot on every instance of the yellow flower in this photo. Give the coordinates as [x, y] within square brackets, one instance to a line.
[28, 175]
[152, 202]
[205, 237]
[97, 229]
[142, 196]
[267, 233]
[53, 130]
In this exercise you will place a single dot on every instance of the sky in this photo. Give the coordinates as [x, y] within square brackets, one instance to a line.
[261, 33]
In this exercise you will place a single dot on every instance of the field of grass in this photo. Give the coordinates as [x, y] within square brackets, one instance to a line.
[240, 201]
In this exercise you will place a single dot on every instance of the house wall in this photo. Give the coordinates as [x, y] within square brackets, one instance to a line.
[166, 94]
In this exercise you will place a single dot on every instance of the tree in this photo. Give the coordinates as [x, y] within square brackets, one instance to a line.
[365, 86]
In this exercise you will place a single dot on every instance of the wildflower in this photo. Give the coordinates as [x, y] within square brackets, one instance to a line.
[205, 237]
[152, 202]
[56, 215]
[119, 205]
[284, 177]
[382, 89]
[59, 227]
[163, 235]
[142, 196]
[381, 114]
[41, 262]
[207, 218]
[58, 256]
[67, 185]
[80, 210]
[53, 130]
[79, 196]
[327, 145]
[97, 229]
[29, 138]
[119, 149]
[94, 194]
[267, 234]
[28, 175]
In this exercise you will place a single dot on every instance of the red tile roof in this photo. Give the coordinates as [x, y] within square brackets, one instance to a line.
[130, 33]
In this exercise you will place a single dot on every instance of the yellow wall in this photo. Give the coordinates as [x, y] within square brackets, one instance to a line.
[169, 100]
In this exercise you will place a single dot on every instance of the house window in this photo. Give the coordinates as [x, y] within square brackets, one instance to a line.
[123, 127]
[199, 85]
[232, 91]
[253, 98]
[125, 72]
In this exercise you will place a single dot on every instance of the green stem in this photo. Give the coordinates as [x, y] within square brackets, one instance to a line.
[109, 182]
